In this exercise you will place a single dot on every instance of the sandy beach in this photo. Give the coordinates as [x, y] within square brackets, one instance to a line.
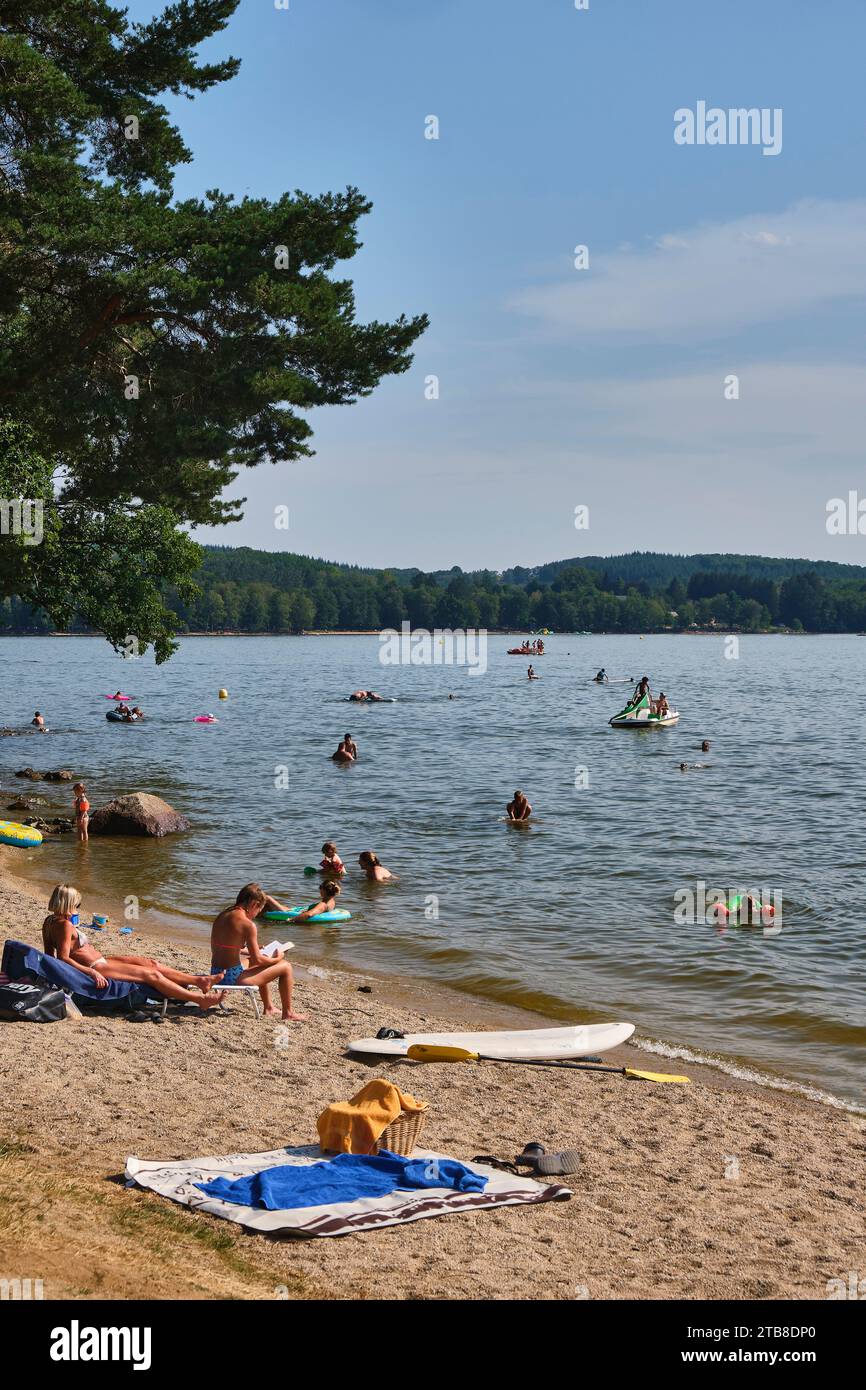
[703, 1191]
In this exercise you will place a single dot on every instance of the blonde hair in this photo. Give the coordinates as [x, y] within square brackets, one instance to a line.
[64, 900]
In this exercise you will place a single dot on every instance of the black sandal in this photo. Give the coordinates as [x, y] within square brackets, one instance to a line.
[548, 1165]
[493, 1162]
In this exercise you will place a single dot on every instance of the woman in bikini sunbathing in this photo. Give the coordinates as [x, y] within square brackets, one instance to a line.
[65, 941]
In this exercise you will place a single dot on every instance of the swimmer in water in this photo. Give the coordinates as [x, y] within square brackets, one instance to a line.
[745, 909]
[37, 721]
[373, 870]
[350, 745]
[705, 746]
[342, 754]
[519, 809]
[332, 865]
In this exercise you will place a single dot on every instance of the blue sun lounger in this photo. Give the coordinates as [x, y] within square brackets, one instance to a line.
[121, 996]
[19, 960]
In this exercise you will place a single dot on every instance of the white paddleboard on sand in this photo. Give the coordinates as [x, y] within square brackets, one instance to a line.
[583, 1040]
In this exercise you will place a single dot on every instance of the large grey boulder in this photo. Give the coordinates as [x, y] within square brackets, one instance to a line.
[137, 814]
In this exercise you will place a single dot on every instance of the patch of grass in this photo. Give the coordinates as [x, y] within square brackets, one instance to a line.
[13, 1148]
[195, 1254]
[148, 1221]
[141, 1219]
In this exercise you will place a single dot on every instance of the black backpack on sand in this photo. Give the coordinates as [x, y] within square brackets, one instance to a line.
[22, 1002]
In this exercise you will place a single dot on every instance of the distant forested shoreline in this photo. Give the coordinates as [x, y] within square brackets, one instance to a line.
[247, 591]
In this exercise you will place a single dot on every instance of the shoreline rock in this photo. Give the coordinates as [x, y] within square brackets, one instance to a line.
[62, 775]
[58, 825]
[26, 803]
[140, 813]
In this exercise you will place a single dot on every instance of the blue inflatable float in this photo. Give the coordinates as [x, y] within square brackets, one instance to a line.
[22, 836]
[339, 914]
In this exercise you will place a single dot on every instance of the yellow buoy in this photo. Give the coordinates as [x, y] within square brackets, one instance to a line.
[224, 694]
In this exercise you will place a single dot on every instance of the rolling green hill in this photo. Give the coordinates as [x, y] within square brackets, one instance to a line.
[245, 590]
[658, 570]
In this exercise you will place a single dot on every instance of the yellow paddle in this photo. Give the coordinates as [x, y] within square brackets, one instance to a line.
[425, 1052]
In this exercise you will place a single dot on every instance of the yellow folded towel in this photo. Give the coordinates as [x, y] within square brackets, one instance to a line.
[353, 1126]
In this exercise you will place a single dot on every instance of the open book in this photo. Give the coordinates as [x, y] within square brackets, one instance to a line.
[274, 946]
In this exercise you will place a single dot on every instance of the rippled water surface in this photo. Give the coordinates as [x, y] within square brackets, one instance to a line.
[572, 915]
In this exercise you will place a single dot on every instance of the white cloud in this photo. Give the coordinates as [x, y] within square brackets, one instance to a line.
[793, 412]
[712, 280]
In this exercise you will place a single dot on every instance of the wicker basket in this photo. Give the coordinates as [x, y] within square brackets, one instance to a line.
[402, 1134]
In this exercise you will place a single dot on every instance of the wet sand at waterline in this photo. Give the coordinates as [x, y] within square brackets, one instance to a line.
[656, 1212]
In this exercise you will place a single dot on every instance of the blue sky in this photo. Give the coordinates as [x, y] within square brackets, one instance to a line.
[601, 387]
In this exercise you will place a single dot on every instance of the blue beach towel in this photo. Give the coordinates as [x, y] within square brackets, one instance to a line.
[20, 959]
[345, 1178]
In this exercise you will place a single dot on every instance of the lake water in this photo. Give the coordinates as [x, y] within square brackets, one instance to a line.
[572, 915]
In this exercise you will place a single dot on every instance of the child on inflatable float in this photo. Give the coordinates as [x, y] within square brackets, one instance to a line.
[328, 895]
